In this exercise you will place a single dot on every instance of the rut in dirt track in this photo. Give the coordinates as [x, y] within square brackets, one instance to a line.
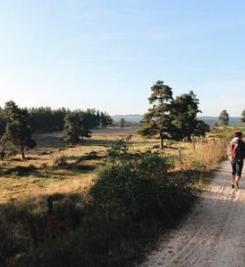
[213, 234]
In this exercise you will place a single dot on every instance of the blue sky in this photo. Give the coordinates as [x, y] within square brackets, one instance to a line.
[106, 54]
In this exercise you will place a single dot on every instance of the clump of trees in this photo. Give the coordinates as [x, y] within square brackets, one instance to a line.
[17, 131]
[78, 124]
[172, 118]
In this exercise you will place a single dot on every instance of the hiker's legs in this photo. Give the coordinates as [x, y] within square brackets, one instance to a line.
[234, 173]
[239, 167]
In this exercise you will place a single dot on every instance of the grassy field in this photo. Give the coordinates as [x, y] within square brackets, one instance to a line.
[43, 174]
[60, 176]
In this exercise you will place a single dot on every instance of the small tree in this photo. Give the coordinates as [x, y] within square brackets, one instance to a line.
[72, 128]
[243, 116]
[224, 118]
[157, 121]
[122, 123]
[18, 131]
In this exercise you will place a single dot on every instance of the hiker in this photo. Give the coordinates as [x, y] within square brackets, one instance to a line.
[236, 152]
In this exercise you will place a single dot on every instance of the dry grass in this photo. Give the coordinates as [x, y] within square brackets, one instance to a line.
[202, 155]
[37, 176]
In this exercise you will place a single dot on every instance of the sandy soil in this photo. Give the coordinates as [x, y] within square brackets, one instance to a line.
[213, 234]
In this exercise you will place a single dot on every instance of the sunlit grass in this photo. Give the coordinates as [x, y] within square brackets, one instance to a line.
[203, 154]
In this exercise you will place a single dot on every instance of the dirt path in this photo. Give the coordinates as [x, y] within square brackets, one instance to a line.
[213, 234]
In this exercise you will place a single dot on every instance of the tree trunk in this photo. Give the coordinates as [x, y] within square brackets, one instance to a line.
[22, 152]
[161, 141]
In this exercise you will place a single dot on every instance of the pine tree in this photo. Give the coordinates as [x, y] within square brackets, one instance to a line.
[184, 114]
[72, 128]
[157, 121]
[18, 131]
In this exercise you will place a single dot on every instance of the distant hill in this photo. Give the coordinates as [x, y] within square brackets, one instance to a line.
[235, 121]
[136, 118]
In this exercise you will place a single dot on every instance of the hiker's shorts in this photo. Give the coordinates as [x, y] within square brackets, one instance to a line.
[237, 167]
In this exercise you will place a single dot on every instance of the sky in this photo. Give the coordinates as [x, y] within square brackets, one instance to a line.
[106, 54]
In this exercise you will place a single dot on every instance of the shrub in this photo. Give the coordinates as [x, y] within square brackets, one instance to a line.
[140, 189]
[118, 150]
[155, 166]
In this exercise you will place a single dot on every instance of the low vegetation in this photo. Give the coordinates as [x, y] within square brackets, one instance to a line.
[129, 204]
[103, 217]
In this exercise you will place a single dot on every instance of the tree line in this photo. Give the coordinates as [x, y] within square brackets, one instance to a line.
[17, 125]
[45, 119]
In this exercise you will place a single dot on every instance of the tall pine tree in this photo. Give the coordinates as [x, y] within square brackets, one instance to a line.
[18, 131]
[157, 121]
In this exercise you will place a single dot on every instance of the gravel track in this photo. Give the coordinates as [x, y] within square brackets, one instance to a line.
[213, 234]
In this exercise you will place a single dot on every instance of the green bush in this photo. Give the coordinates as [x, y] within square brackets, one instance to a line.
[140, 189]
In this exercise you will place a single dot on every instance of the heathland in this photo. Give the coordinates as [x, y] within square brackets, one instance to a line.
[102, 202]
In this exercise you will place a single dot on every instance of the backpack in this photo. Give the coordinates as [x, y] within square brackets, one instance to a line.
[236, 151]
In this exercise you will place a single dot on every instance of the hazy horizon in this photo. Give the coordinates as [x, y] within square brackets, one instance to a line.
[107, 54]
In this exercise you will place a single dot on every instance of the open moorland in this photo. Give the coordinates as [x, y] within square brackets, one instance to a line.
[92, 208]
[53, 167]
